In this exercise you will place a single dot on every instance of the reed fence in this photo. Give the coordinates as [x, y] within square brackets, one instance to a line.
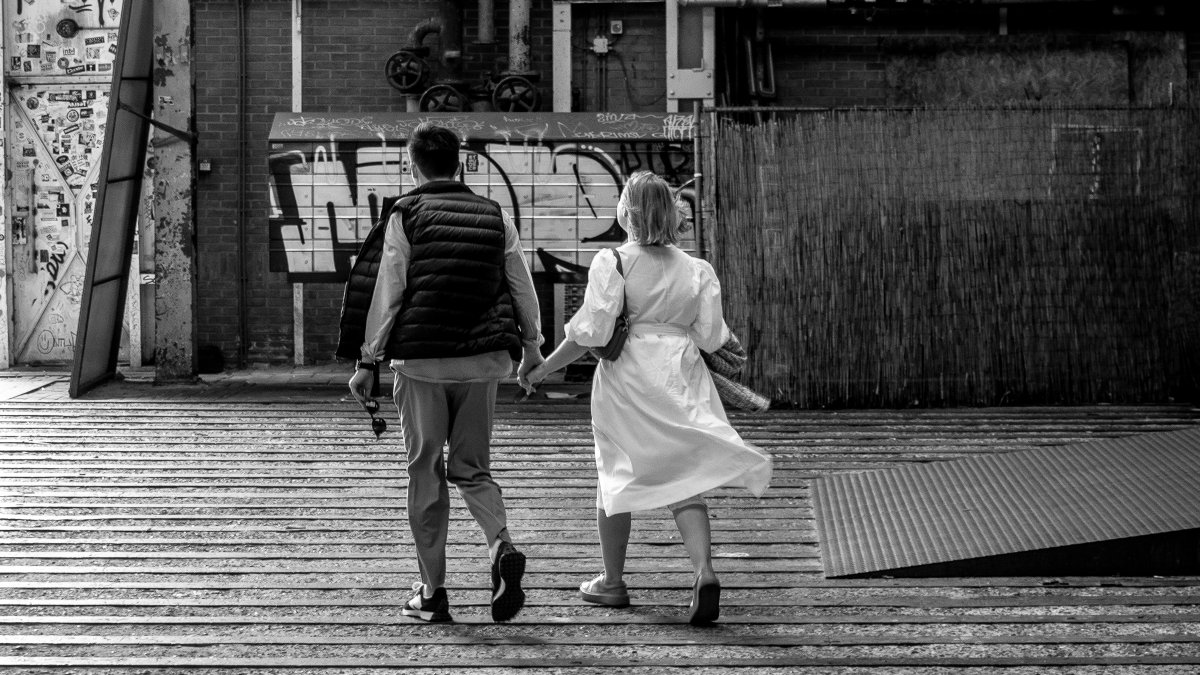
[959, 257]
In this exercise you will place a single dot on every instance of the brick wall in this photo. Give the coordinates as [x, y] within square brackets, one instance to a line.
[820, 59]
[346, 45]
[219, 258]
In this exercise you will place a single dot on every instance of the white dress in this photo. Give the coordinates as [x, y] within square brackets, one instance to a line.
[660, 429]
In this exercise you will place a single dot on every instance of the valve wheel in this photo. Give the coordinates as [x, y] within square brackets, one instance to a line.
[444, 98]
[406, 72]
[516, 94]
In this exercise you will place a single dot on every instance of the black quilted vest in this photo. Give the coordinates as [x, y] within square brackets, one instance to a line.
[457, 301]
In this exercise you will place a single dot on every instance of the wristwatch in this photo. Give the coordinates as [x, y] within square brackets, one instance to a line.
[367, 365]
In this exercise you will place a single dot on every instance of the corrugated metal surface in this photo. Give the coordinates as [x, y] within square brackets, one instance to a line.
[1007, 503]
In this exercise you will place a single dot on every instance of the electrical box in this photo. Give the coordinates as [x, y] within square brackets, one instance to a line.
[616, 27]
[600, 45]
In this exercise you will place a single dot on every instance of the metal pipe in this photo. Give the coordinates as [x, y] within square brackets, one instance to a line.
[452, 36]
[698, 176]
[242, 242]
[813, 4]
[487, 22]
[823, 4]
[518, 36]
[422, 30]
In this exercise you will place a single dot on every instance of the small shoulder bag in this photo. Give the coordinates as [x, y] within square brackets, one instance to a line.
[616, 343]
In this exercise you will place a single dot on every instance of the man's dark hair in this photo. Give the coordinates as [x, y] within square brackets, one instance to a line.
[434, 149]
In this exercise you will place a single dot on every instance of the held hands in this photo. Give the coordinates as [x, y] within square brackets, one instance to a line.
[534, 369]
[531, 373]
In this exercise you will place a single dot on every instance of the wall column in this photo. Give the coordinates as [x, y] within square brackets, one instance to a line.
[6, 325]
[174, 195]
[297, 106]
[561, 46]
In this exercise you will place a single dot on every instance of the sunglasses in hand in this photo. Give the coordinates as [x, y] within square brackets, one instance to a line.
[378, 424]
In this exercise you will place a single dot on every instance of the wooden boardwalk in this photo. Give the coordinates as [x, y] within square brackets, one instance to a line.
[241, 529]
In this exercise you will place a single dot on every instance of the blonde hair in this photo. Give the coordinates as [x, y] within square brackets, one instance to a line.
[651, 213]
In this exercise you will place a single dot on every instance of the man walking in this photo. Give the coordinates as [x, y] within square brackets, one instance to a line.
[453, 306]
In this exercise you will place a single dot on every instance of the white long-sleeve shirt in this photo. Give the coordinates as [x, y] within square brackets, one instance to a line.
[390, 284]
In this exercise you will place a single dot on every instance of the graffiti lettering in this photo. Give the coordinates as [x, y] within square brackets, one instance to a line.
[330, 176]
[576, 131]
[562, 196]
[524, 132]
[670, 160]
[677, 127]
[47, 341]
[56, 256]
[489, 126]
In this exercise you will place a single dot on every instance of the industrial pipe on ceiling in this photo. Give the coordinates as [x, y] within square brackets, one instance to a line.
[823, 4]
[815, 4]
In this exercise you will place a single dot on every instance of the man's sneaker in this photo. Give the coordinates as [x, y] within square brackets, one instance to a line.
[436, 608]
[507, 570]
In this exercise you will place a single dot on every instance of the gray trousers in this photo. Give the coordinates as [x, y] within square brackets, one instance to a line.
[433, 414]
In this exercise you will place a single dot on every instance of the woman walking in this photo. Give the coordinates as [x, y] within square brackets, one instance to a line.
[661, 434]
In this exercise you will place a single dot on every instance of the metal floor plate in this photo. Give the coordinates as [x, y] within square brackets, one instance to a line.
[1070, 498]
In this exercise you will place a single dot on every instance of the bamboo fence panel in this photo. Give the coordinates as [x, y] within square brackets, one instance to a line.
[960, 257]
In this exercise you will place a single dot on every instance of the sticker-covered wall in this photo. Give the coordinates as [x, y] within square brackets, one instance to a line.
[58, 63]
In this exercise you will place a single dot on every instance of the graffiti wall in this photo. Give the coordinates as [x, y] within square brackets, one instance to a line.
[59, 60]
[557, 174]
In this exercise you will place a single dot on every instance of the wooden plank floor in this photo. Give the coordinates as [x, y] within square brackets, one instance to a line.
[241, 529]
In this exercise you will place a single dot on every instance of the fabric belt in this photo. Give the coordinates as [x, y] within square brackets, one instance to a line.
[658, 328]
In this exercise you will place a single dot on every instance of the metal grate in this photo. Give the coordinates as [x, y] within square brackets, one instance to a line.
[1015, 502]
